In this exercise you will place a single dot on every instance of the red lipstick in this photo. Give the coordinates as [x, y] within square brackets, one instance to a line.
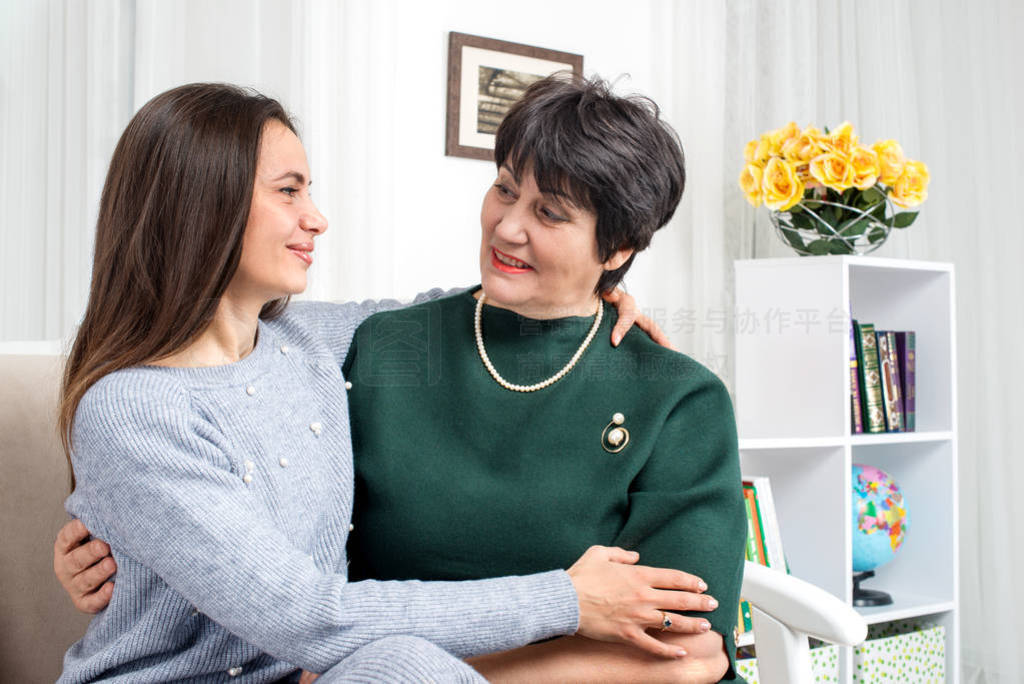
[505, 267]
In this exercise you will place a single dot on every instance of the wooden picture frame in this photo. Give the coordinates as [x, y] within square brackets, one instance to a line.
[485, 76]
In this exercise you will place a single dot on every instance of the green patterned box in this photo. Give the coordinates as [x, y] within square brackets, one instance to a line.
[824, 666]
[901, 652]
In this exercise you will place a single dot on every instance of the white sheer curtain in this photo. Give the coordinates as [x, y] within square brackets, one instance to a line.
[366, 80]
[59, 121]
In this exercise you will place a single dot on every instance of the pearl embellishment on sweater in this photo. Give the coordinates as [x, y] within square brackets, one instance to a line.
[615, 439]
[544, 383]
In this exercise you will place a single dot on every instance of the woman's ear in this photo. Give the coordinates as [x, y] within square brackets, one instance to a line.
[616, 260]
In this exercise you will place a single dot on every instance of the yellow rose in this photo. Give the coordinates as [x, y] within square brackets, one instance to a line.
[891, 159]
[866, 167]
[750, 183]
[781, 188]
[841, 139]
[804, 147]
[911, 188]
[750, 152]
[783, 135]
[766, 147]
[832, 170]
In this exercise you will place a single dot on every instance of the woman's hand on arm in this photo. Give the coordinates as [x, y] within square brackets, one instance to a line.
[629, 315]
[83, 567]
[620, 600]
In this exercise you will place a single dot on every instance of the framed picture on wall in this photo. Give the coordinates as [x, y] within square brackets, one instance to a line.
[485, 76]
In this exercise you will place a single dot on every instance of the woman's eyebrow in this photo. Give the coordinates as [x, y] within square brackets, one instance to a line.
[299, 178]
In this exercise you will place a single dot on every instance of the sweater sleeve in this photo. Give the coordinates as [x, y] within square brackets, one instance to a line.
[686, 505]
[335, 323]
[155, 482]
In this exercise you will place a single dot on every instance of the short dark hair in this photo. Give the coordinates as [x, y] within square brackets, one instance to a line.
[609, 154]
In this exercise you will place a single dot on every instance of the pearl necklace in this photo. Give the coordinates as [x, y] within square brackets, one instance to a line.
[544, 383]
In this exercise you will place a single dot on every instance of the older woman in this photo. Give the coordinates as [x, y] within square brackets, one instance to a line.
[497, 431]
[207, 426]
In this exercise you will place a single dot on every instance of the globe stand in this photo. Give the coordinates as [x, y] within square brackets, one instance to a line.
[868, 597]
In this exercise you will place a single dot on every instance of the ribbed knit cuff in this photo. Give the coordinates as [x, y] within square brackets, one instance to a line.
[556, 606]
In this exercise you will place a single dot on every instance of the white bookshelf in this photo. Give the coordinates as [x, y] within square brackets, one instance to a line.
[793, 416]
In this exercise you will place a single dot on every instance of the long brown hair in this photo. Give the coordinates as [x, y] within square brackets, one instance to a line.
[169, 234]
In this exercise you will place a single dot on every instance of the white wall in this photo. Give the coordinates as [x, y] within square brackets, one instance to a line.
[436, 199]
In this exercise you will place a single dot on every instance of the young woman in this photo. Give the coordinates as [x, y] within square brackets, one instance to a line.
[206, 422]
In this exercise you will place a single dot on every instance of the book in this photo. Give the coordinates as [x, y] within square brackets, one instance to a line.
[906, 353]
[751, 551]
[757, 530]
[871, 378]
[762, 489]
[745, 623]
[764, 537]
[856, 420]
[890, 381]
[897, 377]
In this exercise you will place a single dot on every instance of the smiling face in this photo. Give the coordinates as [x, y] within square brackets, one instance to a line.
[277, 249]
[538, 250]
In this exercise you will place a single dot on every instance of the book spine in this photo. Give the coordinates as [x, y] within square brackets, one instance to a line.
[766, 558]
[751, 543]
[744, 623]
[748, 622]
[770, 519]
[874, 408]
[760, 555]
[857, 422]
[905, 348]
[890, 390]
[897, 383]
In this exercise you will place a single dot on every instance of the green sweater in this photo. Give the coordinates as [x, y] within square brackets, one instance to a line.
[458, 478]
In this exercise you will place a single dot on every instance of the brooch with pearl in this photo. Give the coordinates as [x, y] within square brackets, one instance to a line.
[615, 437]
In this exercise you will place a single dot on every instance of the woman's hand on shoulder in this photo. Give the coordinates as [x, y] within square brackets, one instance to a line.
[619, 600]
[83, 567]
[630, 315]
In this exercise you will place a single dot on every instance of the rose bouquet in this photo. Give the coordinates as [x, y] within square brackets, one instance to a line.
[827, 193]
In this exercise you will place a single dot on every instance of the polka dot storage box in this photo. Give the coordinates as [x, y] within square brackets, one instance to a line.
[824, 666]
[902, 651]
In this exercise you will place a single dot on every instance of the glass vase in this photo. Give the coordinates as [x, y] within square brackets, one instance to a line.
[818, 226]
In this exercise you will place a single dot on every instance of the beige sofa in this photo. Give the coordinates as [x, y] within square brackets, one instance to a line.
[37, 620]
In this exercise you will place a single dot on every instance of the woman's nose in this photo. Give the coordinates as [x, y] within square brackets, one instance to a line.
[312, 221]
[511, 226]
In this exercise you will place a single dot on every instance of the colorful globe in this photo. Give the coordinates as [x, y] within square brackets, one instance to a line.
[879, 517]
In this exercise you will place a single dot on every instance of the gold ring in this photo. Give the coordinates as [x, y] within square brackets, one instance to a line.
[666, 622]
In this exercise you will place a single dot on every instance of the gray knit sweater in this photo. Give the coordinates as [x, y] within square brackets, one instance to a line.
[226, 494]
